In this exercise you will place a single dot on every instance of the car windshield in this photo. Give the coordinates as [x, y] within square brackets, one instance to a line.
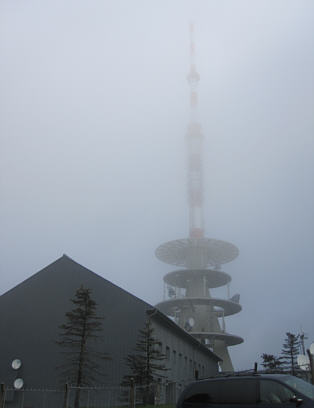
[299, 385]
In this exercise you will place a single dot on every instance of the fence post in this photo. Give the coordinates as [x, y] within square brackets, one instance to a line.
[88, 395]
[2, 395]
[132, 393]
[66, 396]
[311, 358]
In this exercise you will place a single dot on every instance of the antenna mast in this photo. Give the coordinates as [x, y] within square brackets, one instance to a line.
[195, 142]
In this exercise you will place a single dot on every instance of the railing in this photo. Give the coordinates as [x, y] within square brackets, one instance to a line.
[172, 292]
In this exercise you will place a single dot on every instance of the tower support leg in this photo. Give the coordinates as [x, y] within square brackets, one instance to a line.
[221, 350]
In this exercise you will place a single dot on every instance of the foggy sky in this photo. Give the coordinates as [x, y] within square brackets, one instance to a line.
[94, 110]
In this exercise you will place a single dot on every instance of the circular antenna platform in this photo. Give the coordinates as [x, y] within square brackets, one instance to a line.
[229, 339]
[224, 307]
[196, 253]
[183, 277]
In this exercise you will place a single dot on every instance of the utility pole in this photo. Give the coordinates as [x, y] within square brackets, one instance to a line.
[302, 338]
[311, 358]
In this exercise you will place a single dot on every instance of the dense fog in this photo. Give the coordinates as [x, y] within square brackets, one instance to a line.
[94, 110]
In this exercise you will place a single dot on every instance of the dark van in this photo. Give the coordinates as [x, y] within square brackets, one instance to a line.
[249, 391]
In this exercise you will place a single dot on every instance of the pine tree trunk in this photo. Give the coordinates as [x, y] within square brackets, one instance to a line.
[81, 358]
[77, 398]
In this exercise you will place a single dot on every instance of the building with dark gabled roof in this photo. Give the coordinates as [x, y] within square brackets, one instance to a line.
[32, 311]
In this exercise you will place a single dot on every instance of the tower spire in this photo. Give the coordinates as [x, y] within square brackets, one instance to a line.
[193, 77]
[194, 142]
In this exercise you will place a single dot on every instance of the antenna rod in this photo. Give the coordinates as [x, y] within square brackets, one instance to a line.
[194, 141]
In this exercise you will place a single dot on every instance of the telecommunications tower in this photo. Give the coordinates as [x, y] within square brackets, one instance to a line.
[187, 297]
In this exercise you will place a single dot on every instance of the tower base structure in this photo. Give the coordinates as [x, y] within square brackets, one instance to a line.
[187, 298]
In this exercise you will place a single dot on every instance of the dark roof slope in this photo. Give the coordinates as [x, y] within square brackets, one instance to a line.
[69, 271]
[32, 311]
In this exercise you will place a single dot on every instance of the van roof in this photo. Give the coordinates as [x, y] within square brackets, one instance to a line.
[245, 375]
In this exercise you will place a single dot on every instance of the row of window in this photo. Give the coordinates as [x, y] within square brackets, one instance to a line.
[189, 364]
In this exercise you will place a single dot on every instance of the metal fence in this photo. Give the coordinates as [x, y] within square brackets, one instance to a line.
[80, 397]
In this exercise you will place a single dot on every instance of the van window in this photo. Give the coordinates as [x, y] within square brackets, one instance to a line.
[273, 392]
[299, 385]
[239, 391]
[197, 399]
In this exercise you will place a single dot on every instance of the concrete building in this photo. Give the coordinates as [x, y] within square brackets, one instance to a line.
[32, 311]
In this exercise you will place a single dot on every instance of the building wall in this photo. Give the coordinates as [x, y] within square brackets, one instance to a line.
[184, 359]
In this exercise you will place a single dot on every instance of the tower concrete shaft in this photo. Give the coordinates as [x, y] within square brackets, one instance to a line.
[187, 298]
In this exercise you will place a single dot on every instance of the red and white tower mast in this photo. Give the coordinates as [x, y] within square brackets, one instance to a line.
[187, 296]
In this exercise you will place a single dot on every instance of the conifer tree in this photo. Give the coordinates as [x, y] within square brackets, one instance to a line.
[271, 362]
[146, 364]
[82, 362]
[290, 351]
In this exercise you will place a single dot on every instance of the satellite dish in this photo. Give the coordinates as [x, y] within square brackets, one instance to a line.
[312, 349]
[18, 383]
[16, 364]
[191, 321]
[303, 361]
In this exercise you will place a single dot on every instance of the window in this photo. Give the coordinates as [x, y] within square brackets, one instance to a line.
[158, 347]
[273, 392]
[197, 399]
[174, 353]
[229, 392]
[180, 361]
[167, 353]
[299, 385]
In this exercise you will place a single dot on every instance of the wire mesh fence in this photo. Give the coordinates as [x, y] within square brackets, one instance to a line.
[81, 397]
[28, 398]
